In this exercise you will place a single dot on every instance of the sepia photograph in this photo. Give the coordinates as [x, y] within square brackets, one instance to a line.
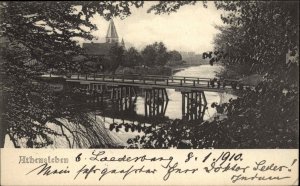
[149, 74]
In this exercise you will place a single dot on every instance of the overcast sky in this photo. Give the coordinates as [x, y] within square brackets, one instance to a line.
[189, 29]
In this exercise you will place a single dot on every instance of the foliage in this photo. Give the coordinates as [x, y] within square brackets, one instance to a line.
[155, 54]
[116, 57]
[132, 58]
[43, 34]
[257, 38]
[270, 28]
[171, 6]
[175, 56]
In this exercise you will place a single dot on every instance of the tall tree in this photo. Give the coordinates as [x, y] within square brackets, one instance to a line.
[132, 57]
[263, 37]
[43, 33]
[117, 57]
[149, 55]
[155, 54]
[175, 55]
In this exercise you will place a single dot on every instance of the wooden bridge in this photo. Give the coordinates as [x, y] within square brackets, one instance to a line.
[122, 90]
[179, 83]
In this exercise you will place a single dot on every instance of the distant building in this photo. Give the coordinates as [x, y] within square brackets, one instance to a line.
[102, 49]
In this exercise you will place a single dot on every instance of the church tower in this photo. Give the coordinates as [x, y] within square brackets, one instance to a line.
[123, 44]
[112, 35]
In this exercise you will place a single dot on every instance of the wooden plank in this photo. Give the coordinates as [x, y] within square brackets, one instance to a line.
[188, 106]
[177, 87]
[146, 100]
[183, 104]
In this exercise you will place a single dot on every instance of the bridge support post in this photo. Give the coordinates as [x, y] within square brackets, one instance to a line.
[121, 97]
[95, 93]
[194, 105]
[156, 100]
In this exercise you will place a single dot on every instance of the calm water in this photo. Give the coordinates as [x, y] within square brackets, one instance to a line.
[174, 105]
[120, 137]
[173, 110]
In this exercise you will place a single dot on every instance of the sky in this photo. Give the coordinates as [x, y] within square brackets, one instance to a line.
[190, 29]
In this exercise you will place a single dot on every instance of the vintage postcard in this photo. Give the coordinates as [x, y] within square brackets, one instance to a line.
[149, 92]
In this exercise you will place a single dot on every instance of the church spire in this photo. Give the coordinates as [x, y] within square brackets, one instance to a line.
[112, 35]
[123, 43]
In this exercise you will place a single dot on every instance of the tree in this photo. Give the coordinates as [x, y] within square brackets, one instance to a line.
[149, 55]
[258, 36]
[43, 32]
[155, 54]
[116, 57]
[175, 55]
[132, 58]
[175, 58]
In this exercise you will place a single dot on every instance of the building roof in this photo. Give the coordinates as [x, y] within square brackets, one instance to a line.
[97, 48]
[112, 31]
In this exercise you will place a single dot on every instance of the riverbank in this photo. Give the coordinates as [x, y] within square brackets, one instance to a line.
[178, 68]
[167, 70]
[144, 70]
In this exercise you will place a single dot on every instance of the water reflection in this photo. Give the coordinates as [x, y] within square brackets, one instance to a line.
[128, 113]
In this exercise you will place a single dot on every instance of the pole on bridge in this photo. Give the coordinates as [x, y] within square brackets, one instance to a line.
[157, 101]
[192, 106]
[121, 98]
[130, 97]
[197, 104]
[188, 106]
[200, 104]
[126, 97]
[150, 103]
[183, 104]
[153, 97]
[166, 94]
[146, 101]
[162, 108]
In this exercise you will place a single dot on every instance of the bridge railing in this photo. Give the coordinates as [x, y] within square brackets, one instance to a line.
[138, 77]
[161, 80]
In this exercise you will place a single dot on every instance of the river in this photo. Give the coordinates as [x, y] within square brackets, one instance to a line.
[90, 137]
[173, 110]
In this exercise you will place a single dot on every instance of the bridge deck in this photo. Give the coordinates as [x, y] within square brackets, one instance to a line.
[149, 81]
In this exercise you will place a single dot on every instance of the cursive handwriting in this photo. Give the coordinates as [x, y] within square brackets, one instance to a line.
[99, 156]
[46, 170]
[213, 167]
[172, 168]
[86, 171]
[261, 166]
[99, 165]
[236, 178]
